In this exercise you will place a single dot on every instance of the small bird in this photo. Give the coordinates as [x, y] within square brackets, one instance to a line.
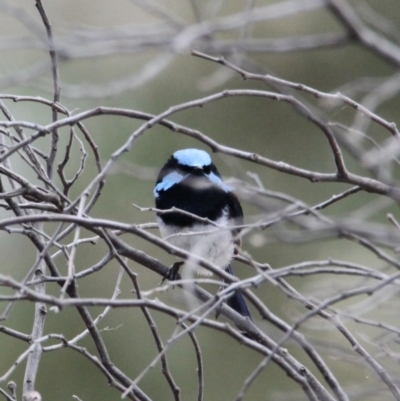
[189, 181]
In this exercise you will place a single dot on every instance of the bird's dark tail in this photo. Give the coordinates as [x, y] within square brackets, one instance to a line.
[236, 301]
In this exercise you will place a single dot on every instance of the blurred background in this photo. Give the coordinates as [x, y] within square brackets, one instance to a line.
[137, 55]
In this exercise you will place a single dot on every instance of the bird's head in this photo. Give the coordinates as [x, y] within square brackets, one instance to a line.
[194, 164]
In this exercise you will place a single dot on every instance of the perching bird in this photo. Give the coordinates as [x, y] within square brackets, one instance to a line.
[190, 181]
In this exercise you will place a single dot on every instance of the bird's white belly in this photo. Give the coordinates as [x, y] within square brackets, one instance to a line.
[213, 243]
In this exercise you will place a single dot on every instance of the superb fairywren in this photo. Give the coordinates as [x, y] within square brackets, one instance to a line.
[189, 181]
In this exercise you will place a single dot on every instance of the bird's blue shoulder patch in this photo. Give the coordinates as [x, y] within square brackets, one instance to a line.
[167, 182]
[214, 178]
[192, 157]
